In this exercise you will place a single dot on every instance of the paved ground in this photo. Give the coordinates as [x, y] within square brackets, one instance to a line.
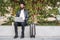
[26, 38]
[42, 33]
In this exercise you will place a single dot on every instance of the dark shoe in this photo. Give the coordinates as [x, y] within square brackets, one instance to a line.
[15, 36]
[33, 36]
[22, 36]
[30, 36]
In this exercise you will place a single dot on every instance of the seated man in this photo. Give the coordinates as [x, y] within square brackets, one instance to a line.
[23, 13]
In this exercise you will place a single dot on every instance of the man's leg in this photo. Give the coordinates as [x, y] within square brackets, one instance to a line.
[16, 29]
[23, 28]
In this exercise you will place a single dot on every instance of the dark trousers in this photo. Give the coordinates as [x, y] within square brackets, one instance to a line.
[22, 24]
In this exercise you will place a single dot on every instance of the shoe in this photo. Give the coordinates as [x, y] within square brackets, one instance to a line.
[15, 36]
[22, 36]
[33, 36]
[30, 36]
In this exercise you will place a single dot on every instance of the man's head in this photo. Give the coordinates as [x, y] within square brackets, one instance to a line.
[22, 5]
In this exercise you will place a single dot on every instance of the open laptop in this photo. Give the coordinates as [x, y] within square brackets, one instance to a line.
[18, 19]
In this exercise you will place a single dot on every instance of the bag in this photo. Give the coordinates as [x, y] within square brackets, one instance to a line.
[32, 30]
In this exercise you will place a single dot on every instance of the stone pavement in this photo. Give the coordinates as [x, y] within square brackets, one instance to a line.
[27, 38]
[42, 33]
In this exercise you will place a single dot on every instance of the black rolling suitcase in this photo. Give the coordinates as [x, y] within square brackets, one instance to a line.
[32, 30]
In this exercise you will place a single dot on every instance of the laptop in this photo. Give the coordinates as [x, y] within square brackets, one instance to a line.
[18, 19]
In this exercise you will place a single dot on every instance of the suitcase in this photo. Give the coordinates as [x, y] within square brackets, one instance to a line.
[32, 30]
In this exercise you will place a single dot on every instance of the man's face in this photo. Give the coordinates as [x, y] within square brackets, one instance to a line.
[22, 6]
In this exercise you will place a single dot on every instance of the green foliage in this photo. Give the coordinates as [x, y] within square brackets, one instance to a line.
[34, 7]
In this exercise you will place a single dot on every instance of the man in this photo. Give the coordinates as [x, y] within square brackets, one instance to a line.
[23, 13]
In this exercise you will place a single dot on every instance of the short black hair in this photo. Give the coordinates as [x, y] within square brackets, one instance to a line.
[22, 3]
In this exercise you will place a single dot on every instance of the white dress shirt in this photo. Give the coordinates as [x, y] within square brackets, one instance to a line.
[22, 14]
